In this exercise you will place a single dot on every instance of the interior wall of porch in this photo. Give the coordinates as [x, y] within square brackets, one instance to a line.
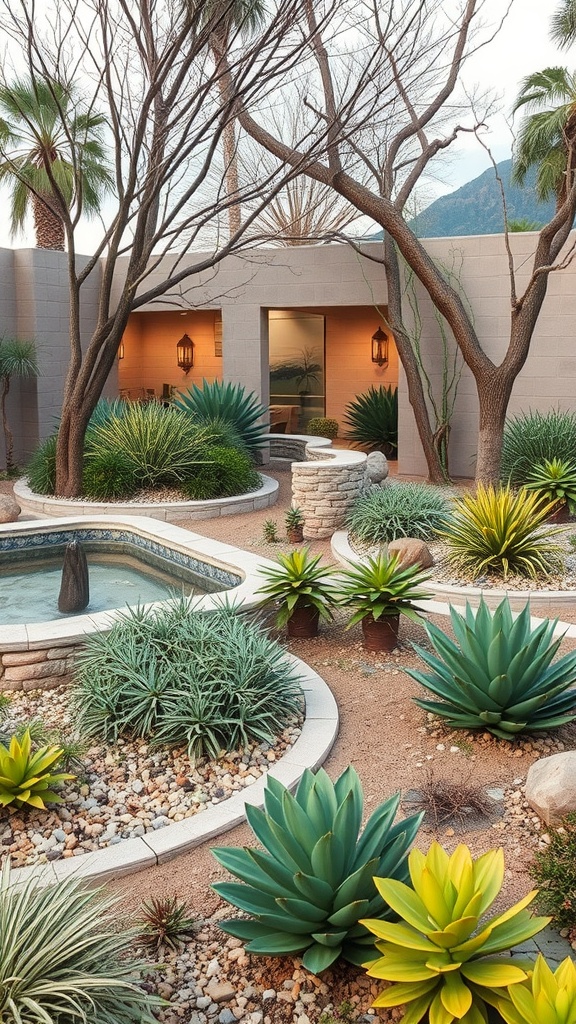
[349, 367]
[150, 341]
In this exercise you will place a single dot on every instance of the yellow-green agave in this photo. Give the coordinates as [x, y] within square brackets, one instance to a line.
[442, 960]
[26, 776]
[548, 997]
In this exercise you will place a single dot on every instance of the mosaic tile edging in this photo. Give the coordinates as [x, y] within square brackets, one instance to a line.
[311, 749]
[40, 540]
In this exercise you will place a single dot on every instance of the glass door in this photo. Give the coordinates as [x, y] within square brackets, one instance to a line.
[297, 388]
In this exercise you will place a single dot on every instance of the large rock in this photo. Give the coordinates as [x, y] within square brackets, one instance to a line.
[551, 786]
[9, 510]
[411, 552]
[376, 467]
[74, 593]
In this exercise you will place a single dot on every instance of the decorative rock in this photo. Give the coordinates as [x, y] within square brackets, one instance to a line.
[376, 467]
[411, 552]
[9, 510]
[551, 786]
[74, 590]
[220, 991]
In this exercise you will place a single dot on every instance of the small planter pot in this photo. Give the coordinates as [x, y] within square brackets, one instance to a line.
[380, 634]
[561, 514]
[303, 623]
[295, 534]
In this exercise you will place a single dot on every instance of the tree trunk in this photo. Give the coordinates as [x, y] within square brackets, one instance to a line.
[70, 449]
[230, 149]
[8, 436]
[493, 397]
[48, 226]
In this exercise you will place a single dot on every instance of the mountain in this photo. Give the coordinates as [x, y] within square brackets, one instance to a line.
[476, 208]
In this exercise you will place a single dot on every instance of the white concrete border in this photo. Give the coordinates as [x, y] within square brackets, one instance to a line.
[62, 632]
[312, 747]
[167, 511]
[555, 600]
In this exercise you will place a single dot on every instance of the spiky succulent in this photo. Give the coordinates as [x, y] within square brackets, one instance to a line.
[555, 480]
[442, 958]
[499, 674]
[547, 996]
[372, 419]
[26, 776]
[306, 893]
[217, 402]
[298, 581]
[382, 586]
[166, 923]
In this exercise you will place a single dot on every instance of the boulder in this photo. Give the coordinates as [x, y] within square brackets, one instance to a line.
[376, 467]
[9, 510]
[551, 786]
[411, 552]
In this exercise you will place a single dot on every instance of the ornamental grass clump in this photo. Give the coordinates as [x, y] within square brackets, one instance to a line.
[497, 530]
[66, 957]
[396, 510]
[532, 437]
[442, 958]
[176, 677]
[306, 893]
[499, 674]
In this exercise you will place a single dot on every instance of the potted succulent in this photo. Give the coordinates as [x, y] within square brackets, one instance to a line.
[555, 480]
[294, 522]
[379, 590]
[300, 587]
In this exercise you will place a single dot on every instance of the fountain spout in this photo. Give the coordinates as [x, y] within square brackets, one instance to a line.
[74, 589]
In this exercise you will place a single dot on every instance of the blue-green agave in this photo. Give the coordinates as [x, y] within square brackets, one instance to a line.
[307, 892]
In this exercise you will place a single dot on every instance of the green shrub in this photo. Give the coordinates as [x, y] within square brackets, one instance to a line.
[531, 438]
[66, 957]
[373, 419]
[218, 401]
[176, 677]
[554, 872]
[162, 445]
[497, 530]
[499, 675]
[227, 472]
[41, 470]
[386, 513]
[306, 894]
[322, 426]
[108, 475]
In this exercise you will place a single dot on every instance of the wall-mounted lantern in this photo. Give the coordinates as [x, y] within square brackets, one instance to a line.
[120, 352]
[380, 347]
[185, 353]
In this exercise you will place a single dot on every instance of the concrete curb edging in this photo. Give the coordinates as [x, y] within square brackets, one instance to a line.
[169, 511]
[312, 747]
[554, 599]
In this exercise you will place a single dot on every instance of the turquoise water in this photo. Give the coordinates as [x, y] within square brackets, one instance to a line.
[29, 593]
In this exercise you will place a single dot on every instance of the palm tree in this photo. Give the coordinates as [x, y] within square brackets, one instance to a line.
[547, 136]
[17, 359]
[564, 24]
[223, 18]
[52, 155]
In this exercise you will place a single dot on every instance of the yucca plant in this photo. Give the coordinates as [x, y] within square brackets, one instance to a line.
[166, 923]
[41, 469]
[219, 401]
[298, 582]
[26, 777]
[442, 958]
[380, 586]
[306, 893]
[372, 419]
[498, 530]
[547, 997]
[294, 523]
[499, 674]
[554, 480]
[66, 956]
[532, 437]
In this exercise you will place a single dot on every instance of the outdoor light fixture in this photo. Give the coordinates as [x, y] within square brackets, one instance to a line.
[120, 352]
[380, 347]
[185, 353]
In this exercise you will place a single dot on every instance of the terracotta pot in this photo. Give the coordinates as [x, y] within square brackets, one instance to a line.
[295, 534]
[303, 622]
[561, 514]
[380, 634]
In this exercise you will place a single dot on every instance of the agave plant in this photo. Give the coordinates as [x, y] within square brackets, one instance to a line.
[228, 402]
[306, 893]
[381, 586]
[65, 956]
[499, 674]
[298, 581]
[372, 419]
[25, 775]
[498, 530]
[548, 996]
[442, 958]
[555, 480]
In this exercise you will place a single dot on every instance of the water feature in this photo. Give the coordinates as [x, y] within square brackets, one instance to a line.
[74, 593]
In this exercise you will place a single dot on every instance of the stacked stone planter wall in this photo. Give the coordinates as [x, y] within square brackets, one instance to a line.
[325, 486]
[40, 669]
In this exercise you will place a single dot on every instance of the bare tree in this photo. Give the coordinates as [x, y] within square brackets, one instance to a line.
[386, 101]
[145, 65]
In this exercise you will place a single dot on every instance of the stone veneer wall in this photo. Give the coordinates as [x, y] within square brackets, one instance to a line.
[325, 487]
[40, 669]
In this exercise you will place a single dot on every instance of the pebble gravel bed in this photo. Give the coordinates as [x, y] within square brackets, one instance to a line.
[123, 791]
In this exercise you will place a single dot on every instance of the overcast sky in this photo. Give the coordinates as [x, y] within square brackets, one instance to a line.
[522, 46]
